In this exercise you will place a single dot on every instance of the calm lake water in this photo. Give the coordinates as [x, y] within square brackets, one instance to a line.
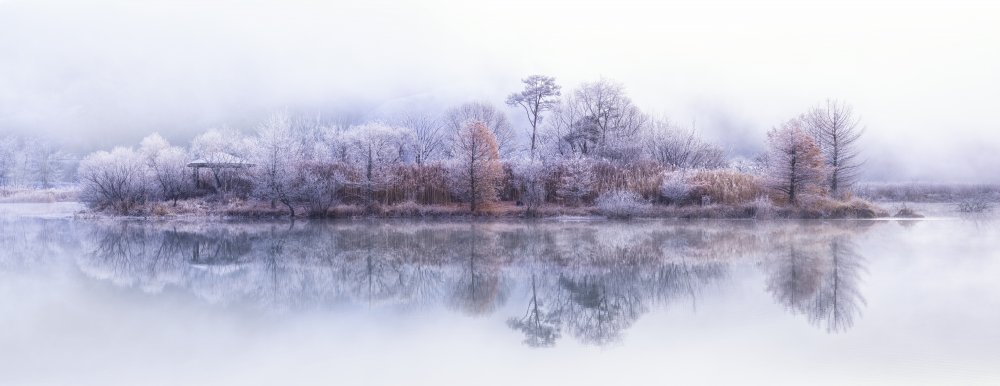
[104, 302]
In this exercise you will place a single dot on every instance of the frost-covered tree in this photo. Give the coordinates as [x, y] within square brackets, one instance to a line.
[678, 148]
[318, 186]
[8, 160]
[115, 180]
[428, 137]
[167, 167]
[457, 118]
[796, 163]
[277, 156]
[576, 181]
[220, 140]
[44, 162]
[837, 131]
[375, 147]
[476, 170]
[530, 175]
[600, 119]
[540, 94]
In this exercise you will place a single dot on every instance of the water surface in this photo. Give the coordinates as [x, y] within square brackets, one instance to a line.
[98, 302]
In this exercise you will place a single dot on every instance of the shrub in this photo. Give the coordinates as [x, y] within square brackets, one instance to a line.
[576, 181]
[114, 180]
[621, 204]
[974, 205]
[530, 175]
[318, 185]
[675, 188]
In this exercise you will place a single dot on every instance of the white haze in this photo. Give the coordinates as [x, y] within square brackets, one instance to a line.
[923, 75]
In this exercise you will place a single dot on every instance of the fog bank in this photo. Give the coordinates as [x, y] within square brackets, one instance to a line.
[104, 73]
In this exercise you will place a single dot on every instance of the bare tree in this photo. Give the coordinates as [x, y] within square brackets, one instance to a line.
[477, 170]
[167, 167]
[428, 142]
[319, 183]
[554, 137]
[796, 164]
[376, 146]
[44, 162]
[530, 175]
[837, 131]
[458, 118]
[310, 132]
[277, 157]
[603, 120]
[678, 148]
[540, 94]
[115, 180]
[8, 160]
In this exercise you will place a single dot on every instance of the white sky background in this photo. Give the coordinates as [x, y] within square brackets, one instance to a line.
[923, 75]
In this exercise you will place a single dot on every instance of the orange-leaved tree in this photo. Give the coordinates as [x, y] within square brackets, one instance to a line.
[476, 171]
[796, 162]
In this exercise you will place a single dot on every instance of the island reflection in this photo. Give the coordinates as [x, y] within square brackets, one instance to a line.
[590, 281]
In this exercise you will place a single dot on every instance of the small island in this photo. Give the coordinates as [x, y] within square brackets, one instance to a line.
[591, 152]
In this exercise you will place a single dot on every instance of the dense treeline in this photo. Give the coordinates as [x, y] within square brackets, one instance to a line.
[591, 146]
[29, 162]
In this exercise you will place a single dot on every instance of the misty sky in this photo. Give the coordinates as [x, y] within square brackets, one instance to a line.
[923, 75]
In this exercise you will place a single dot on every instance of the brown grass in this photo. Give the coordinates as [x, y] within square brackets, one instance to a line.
[28, 195]
[727, 187]
[761, 208]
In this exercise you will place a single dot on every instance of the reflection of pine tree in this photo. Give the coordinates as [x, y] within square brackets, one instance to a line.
[597, 309]
[839, 300]
[541, 327]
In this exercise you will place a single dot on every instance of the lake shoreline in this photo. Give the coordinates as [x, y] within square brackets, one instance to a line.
[252, 210]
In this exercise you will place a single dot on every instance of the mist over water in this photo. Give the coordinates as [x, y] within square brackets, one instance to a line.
[361, 302]
[100, 74]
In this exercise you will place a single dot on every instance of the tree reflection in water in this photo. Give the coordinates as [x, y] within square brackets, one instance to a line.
[818, 275]
[591, 281]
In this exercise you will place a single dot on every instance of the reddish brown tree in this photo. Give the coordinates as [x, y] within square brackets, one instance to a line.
[477, 171]
[796, 162]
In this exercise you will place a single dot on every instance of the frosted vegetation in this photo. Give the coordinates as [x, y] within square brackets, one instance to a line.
[588, 151]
